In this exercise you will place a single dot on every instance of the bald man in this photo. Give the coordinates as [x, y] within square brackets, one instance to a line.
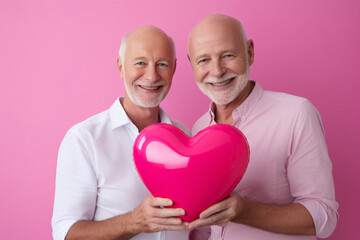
[287, 191]
[99, 194]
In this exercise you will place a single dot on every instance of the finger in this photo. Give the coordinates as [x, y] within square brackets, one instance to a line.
[214, 209]
[161, 202]
[169, 212]
[174, 227]
[156, 227]
[220, 218]
[198, 223]
[168, 221]
[205, 222]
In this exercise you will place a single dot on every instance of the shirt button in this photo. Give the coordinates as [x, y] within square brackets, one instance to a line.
[243, 117]
[220, 238]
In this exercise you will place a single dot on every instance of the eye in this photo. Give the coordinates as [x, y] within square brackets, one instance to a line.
[162, 64]
[140, 63]
[228, 56]
[204, 60]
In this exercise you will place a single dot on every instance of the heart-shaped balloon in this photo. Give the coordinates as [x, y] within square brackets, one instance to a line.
[193, 172]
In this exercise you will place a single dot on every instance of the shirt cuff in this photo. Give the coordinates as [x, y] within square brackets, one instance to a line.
[324, 217]
[61, 229]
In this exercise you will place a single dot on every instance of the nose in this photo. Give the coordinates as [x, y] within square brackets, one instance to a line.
[217, 70]
[151, 73]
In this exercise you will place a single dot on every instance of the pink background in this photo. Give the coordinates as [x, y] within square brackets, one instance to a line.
[58, 67]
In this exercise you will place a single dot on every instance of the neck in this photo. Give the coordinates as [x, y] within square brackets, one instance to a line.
[223, 113]
[139, 116]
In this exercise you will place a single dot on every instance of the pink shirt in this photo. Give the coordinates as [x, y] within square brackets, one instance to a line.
[289, 161]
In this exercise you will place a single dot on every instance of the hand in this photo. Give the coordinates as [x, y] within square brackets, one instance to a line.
[152, 216]
[221, 213]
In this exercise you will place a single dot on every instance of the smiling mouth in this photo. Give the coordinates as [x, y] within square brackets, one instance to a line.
[150, 88]
[223, 82]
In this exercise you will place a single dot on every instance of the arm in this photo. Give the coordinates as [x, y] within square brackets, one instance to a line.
[76, 199]
[314, 209]
[287, 219]
[148, 217]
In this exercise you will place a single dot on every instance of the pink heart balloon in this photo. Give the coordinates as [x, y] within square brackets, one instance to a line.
[193, 172]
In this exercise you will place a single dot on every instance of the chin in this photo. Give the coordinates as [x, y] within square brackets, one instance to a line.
[221, 98]
[148, 103]
[222, 101]
[224, 98]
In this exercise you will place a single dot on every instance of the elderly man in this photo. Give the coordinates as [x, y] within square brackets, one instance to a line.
[287, 191]
[99, 194]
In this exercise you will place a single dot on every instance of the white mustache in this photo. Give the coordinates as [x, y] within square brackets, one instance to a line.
[149, 85]
[215, 80]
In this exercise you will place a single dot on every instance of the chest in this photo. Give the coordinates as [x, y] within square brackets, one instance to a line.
[120, 188]
[266, 178]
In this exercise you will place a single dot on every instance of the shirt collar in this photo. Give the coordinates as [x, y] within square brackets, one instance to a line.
[118, 116]
[242, 112]
[164, 118]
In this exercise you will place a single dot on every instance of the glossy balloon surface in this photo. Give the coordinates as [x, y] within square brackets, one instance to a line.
[193, 172]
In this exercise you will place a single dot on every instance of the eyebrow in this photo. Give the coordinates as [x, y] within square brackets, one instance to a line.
[165, 59]
[144, 58]
[201, 56]
[205, 55]
[139, 58]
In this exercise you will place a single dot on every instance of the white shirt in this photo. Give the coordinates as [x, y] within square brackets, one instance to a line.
[96, 178]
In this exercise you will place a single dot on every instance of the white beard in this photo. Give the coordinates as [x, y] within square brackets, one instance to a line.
[228, 95]
[150, 100]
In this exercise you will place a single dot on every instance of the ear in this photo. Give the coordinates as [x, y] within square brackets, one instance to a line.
[174, 66]
[120, 67]
[188, 57]
[250, 49]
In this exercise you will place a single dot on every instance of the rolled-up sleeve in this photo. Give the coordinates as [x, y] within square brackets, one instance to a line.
[310, 171]
[76, 188]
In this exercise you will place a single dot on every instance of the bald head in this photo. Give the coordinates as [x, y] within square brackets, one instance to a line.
[143, 34]
[217, 24]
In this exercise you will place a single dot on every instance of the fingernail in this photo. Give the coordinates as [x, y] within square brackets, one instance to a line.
[182, 212]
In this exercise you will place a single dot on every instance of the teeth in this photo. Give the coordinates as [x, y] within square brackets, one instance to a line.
[150, 88]
[222, 83]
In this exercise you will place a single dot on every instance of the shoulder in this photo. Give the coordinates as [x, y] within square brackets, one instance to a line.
[288, 109]
[181, 126]
[91, 125]
[279, 97]
[286, 103]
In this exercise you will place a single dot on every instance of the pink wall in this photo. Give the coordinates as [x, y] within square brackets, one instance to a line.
[57, 67]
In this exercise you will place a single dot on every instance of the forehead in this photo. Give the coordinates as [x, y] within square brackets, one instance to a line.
[152, 46]
[215, 38]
